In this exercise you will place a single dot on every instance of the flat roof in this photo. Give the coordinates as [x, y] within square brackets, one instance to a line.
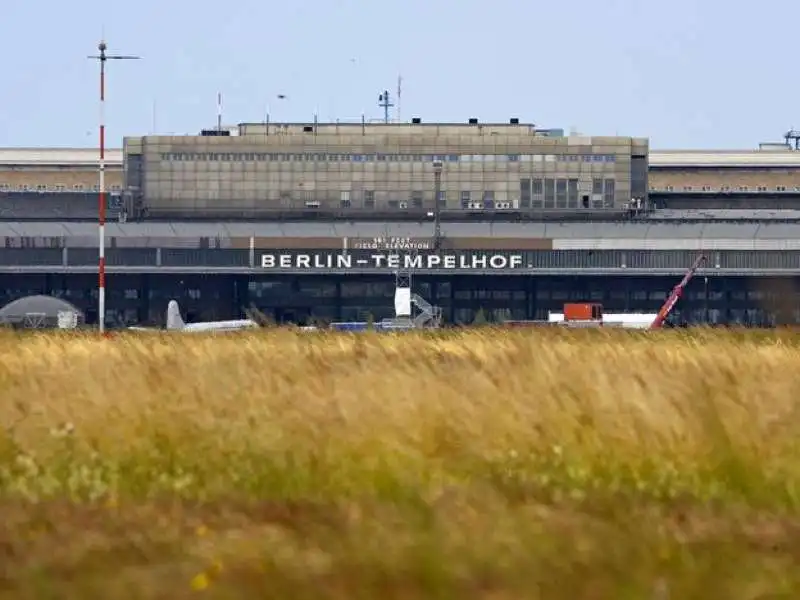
[68, 157]
[659, 159]
[681, 159]
[645, 230]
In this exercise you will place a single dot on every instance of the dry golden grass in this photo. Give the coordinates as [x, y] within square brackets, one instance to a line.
[483, 464]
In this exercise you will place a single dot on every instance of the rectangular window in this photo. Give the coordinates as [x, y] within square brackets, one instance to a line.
[442, 199]
[488, 199]
[525, 193]
[597, 186]
[465, 199]
[537, 199]
[572, 193]
[561, 193]
[369, 199]
[609, 192]
[549, 193]
[416, 199]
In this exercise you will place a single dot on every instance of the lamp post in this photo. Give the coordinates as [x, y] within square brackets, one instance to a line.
[102, 57]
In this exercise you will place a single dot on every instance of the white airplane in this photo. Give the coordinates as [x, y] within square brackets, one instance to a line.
[623, 320]
[176, 323]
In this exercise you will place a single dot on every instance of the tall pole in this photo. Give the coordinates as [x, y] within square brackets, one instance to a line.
[101, 197]
[399, 86]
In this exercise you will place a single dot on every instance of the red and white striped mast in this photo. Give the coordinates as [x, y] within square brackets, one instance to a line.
[101, 197]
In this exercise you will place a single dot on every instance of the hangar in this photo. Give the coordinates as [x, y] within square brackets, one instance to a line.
[331, 271]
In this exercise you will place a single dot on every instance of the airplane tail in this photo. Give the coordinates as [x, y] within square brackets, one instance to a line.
[174, 320]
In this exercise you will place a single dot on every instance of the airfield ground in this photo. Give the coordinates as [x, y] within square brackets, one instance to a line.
[482, 464]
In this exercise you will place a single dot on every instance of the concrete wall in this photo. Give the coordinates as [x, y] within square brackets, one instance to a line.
[710, 179]
[56, 179]
[383, 167]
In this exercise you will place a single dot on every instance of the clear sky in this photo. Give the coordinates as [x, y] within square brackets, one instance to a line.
[685, 73]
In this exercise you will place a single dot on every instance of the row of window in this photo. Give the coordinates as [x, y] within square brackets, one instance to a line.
[428, 158]
[726, 188]
[24, 187]
[78, 187]
[536, 193]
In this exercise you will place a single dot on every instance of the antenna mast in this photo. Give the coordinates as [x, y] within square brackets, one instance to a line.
[792, 136]
[385, 103]
[102, 57]
[399, 87]
[219, 111]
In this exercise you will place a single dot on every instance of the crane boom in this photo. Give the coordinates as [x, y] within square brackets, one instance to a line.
[676, 294]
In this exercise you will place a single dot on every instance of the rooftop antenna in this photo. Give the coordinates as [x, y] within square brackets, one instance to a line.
[399, 87]
[219, 111]
[102, 57]
[792, 134]
[385, 103]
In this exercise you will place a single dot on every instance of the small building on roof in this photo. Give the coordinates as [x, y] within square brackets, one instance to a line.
[40, 312]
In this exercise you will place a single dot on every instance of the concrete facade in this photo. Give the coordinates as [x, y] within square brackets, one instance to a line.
[384, 168]
[61, 170]
[725, 179]
[753, 172]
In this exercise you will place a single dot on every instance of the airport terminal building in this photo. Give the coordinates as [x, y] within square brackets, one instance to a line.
[381, 171]
[311, 221]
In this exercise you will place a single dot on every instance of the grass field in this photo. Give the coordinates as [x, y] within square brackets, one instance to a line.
[482, 464]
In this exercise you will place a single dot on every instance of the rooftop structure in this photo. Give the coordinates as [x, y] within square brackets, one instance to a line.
[271, 168]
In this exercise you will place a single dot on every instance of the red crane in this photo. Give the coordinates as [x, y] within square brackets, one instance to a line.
[676, 294]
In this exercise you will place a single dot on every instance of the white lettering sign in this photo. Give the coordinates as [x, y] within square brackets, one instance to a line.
[497, 262]
[392, 243]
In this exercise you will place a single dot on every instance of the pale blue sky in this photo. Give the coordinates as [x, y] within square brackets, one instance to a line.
[685, 73]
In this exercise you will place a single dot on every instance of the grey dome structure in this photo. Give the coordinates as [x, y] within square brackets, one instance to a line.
[35, 312]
